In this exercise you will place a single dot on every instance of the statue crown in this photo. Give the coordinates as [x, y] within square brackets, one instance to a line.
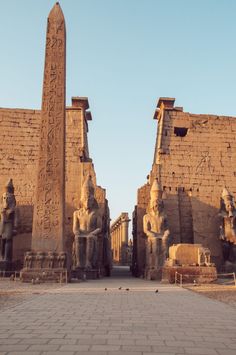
[156, 190]
[9, 186]
[226, 195]
[88, 187]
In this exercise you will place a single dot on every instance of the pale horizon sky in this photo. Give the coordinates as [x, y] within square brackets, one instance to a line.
[123, 55]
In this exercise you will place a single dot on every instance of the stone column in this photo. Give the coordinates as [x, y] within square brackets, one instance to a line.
[116, 244]
[120, 241]
[120, 235]
[116, 233]
[124, 225]
[124, 240]
[125, 231]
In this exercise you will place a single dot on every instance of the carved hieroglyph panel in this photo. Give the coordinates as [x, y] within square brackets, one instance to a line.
[205, 164]
[48, 222]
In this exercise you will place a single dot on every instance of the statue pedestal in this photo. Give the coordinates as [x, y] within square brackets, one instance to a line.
[201, 274]
[59, 275]
[85, 274]
[45, 267]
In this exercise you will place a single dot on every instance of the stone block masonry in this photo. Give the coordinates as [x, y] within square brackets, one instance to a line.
[19, 160]
[194, 159]
[46, 152]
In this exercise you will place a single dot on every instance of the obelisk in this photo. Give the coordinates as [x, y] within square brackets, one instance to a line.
[48, 219]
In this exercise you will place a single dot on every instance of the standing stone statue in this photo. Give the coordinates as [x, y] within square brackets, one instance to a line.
[158, 235]
[228, 230]
[7, 221]
[87, 225]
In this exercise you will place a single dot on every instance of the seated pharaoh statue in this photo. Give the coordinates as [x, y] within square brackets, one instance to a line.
[7, 222]
[156, 229]
[228, 230]
[87, 225]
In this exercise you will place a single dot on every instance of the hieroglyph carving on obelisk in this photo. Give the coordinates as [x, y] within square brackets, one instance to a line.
[48, 221]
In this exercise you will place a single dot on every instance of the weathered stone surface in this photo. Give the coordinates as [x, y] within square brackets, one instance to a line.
[139, 240]
[189, 274]
[189, 254]
[8, 224]
[91, 247]
[228, 231]
[157, 233]
[87, 225]
[192, 263]
[23, 127]
[49, 219]
[44, 266]
[194, 160]
[48, 245]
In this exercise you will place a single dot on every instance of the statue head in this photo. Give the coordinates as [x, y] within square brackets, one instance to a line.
[88, 200]
[8, 198]
[156, 202]
[228, 202]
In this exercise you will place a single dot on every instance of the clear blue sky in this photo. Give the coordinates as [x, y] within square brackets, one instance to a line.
[123, 55]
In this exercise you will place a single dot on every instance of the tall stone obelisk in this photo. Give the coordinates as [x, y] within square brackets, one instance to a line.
[48, 220]
[47, 258]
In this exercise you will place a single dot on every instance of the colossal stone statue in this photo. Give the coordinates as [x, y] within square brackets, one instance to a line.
[158, 235]
[87, 224]
[228, 230]
[7, 221]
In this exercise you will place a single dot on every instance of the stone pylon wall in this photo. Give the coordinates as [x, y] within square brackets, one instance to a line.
[194, 159]
[19, 143]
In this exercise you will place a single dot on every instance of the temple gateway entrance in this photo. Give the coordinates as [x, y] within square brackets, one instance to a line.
[55, 223]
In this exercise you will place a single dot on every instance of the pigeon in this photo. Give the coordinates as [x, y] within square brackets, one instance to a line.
[156, 291]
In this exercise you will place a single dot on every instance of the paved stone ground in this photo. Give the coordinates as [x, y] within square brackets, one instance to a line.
[12, 293]
[83, 318]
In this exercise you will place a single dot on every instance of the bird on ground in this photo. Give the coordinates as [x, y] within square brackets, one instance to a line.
[156, 291]
[120, 288]
[105, 289]
[127, 289]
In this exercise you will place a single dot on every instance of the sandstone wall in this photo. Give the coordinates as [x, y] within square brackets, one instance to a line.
[195, 169]
[19, 142]
[195, 158]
